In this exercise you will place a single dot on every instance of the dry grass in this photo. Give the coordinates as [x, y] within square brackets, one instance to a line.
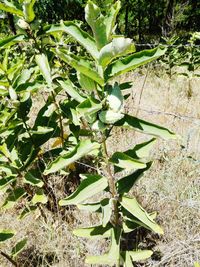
[171, 187]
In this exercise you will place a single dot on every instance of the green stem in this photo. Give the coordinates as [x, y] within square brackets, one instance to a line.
[60, 119]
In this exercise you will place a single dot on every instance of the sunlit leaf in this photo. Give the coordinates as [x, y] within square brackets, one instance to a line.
[145, 127]
[79, 35]
[89, 187]
[113, 256]
[132, 62]
[94, 232]
[96, 21]
[136, 210]
[42, 61]
[82, 149]
[119, 46]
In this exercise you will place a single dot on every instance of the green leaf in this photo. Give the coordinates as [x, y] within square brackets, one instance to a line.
[42, 62]
[26, 211]
[83, 148]
[113, 256]
[125, 184]
[9, 7]
[19, 247]
[110, 19]
[13, 197]
[119, 47]
[115, 98]
[39, 197]
[33, 178]
[9, 41]
[123, 161]
[106, 206]
[126, 259]
[92, 207]
[139, 255]
[142, 150]
[71, 90]
[6, 234]
[79, 35]
[89, 107]
[131, 223]
[132, 62]
[6, 181]
[86, 83]
[196, 264]
[80, 64]
[96, 21]
[94, 231]
[131, 205]
[28, 10]
[145, 127]
[110, 116]
[90, 186]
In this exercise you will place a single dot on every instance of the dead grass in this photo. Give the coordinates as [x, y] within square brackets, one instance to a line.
[171, 186]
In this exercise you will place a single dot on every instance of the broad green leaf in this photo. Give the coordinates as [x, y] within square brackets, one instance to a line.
[98, 126]
[89, 187]
[79, 35]
[26, 211]
[123, 161]
[113, 256]
[42, 62]
[119, 47]
[89, 106]
[10, 8]
[28, 10]
[138, 255]
[127, 262]
[86, 83]
[13, 197]
[94, 231]
[115, 98]
[110, 116]
[131, 205]
[6, 181]
[80, 64]
[130, 222]
[106, 206]
[71, 90]
[33, 178]
[19, 247]
[132, 62]
[142, 150]
[39, 197]
[96, 21]
[196, 264]
[92, 207]
[125, 184]
[145, 127]
[6, 234]
[9, 41]
[110, 19]
[83, 148]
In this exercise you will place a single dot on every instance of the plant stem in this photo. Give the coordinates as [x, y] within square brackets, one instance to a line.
[111, 181]
[60, 119]
[14, 263]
